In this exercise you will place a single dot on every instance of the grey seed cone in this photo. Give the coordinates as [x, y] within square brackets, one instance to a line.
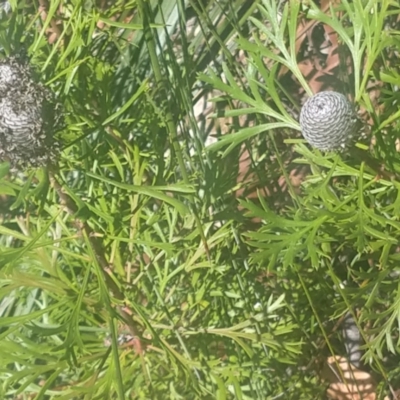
[29, 116]
[328, 121]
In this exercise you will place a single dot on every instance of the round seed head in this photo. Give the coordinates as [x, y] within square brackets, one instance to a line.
[29, 116]
[328, 121]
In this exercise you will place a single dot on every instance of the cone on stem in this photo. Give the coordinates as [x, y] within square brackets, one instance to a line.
[328, 121]
[29, 116]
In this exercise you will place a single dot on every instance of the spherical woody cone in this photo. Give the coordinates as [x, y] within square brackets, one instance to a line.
[328, 121]
[29, 116]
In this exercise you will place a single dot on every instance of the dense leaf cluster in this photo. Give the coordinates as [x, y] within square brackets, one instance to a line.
[142, 266]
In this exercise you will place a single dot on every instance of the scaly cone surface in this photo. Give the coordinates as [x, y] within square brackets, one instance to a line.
[29, 116]
[328, 121]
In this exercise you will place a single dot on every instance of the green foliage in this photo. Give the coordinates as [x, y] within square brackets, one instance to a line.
[138, 230]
